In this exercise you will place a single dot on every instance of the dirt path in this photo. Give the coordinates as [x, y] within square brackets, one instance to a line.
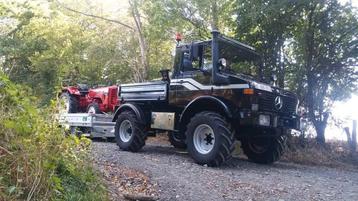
[170, 174]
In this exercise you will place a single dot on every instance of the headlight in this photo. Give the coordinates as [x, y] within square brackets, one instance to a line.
[254, 107]
[297, 108]
[264, 120]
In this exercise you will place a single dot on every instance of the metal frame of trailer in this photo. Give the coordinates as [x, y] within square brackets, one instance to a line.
[91, 125]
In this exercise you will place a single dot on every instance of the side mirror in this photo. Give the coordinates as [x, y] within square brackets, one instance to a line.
[274, 79]
[165, 75]
[222, 63]
[195, 51]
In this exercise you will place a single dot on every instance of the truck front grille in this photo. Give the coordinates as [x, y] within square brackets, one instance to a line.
[267, 103]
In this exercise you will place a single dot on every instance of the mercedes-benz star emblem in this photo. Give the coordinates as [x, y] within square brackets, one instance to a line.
[278, 102]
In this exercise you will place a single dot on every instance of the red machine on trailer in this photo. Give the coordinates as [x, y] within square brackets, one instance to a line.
[81, 98]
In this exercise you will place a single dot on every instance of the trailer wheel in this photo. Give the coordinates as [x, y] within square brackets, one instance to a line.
[67, 103]
[210, 139]
[176, 141]
[129, 132]
[264, 150]
[93, 108]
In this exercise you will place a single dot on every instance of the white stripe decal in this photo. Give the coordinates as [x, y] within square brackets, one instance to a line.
[184, 83]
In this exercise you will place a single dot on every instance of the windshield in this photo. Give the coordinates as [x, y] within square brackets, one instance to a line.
[239, 58]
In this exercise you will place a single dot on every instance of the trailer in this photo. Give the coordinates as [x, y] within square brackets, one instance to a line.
[89, 124]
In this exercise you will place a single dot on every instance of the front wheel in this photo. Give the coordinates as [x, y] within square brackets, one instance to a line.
[93, 108]
[264, 150]
[210, 139]
[129, 132]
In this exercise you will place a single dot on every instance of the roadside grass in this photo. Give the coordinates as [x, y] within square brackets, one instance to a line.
[308, 152]
[83, 184]
[37, 161]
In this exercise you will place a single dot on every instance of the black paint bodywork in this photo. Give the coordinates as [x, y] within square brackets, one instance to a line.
[191, 90]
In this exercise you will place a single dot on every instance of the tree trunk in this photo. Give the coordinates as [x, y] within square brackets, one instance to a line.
[320, 126]
[320, 130]
[281, 60]
[142, 43]
[354, 136]
[349, 139]
[214, 14]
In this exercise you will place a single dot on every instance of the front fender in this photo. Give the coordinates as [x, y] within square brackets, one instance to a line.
[202, 103]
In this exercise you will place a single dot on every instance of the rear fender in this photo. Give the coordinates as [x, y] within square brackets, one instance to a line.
[72, 91]
[129, 107]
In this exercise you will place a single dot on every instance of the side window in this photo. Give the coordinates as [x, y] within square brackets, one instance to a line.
[244, 67]
[203, 61]
[207, 59]
[189, 64]
[196, 64]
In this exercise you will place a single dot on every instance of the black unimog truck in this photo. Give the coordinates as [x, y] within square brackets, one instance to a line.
[212, 98]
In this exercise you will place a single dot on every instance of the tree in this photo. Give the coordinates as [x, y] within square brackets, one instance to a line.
[267, 26]
[324, 54]
[311, 45]
[142, 41]
[352, 137]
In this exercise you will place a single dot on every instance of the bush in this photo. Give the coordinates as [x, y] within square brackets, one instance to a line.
[36, 160]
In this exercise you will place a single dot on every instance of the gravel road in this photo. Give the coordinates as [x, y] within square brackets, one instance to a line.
[170, 174]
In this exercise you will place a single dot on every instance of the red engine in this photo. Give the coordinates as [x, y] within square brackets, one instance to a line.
[80, 98]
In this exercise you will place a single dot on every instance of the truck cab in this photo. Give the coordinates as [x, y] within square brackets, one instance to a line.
[213, 98]
[234, 77]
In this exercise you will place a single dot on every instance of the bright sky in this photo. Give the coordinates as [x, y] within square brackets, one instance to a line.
[346, 110]
[354, 2]
[112, 6]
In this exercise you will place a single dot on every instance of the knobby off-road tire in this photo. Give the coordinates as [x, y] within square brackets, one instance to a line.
[175, 141]
[129, 132]
[264, 150]
[210, 124]
[72, 102]
[94, 108]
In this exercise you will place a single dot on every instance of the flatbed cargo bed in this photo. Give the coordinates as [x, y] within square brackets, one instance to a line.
[96, 125]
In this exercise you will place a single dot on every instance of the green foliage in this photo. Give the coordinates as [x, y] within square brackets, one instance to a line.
[44, 49]
[265, 25]
[37, 161]
[325, 51]
[310, 45]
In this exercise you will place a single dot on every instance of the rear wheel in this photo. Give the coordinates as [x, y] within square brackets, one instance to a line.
[67, 103]
[176, 140]
[264, 150]
[129, 132]
[210, 139]
[93, 108]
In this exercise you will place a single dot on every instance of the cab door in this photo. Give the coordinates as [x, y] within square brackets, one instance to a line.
[192, 79]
